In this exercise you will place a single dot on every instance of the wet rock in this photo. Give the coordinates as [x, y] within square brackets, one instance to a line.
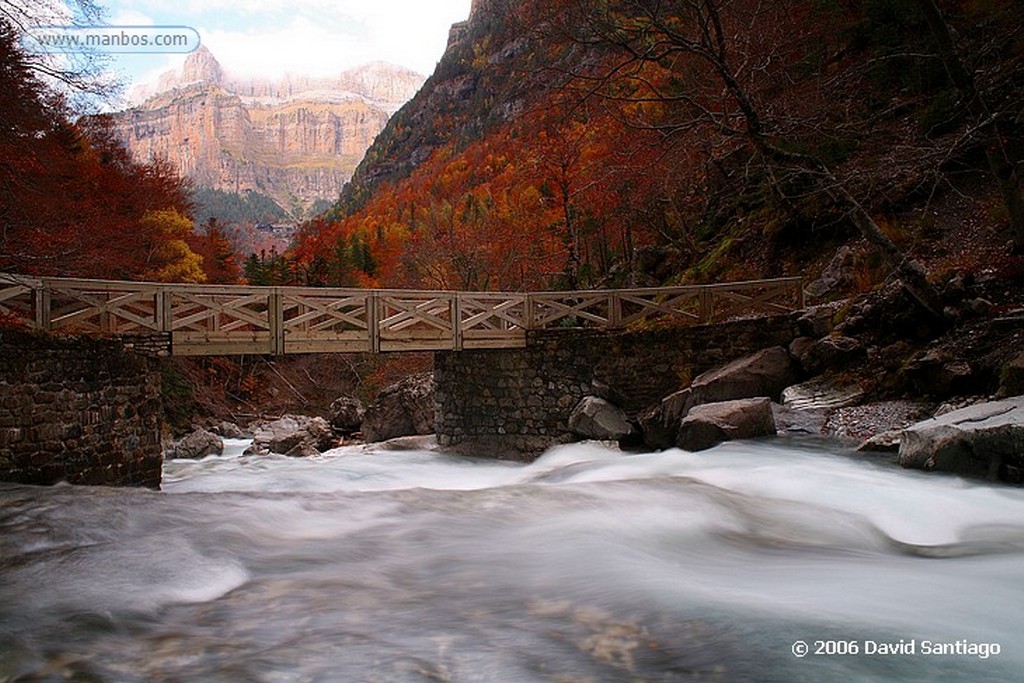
[655, 430]
[861, 422]
[293, 435]
[420, 442]
[983, 440]
[608, 393]
[981, 307]
[403, 409]
[198, 444]
[832, 352]
[886, 442]
[765, 373]
[796, 421]
[596, 418]
[228, 430]
[712, 423]
[822, 393]
[347, 414]
[674, 407]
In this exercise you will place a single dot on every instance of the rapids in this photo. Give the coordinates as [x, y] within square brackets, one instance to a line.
[366, 564]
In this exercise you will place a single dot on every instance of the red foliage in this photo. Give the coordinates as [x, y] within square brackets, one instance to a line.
[72, 201]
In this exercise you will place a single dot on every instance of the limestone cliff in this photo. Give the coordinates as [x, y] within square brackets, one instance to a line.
[296, 139]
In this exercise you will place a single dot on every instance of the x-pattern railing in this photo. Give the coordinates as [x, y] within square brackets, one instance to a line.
[224, 320]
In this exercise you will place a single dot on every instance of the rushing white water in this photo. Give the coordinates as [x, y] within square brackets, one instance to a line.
[588, 565]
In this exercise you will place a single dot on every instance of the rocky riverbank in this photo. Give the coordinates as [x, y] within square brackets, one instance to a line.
[874, 371]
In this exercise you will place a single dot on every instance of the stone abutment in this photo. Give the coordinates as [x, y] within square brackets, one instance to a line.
[79, 410]
[514, 404]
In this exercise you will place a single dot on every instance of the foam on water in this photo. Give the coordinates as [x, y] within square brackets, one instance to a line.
[371, 564]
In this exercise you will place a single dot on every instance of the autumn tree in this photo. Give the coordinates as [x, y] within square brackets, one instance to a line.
[750, 74]
[72, 201]
[219, 260]
[82, 75]
[164, 244]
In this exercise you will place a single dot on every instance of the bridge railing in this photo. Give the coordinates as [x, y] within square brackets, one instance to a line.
[235, 319]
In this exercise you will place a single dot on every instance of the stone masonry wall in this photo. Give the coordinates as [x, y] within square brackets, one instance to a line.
[77, 410]
[513, 404]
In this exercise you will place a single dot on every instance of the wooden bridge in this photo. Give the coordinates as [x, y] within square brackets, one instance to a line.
[213, 320]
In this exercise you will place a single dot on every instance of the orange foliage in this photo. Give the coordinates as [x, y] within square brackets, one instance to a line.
[542, 202]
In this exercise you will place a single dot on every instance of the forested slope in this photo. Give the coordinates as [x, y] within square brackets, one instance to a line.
[574, 143]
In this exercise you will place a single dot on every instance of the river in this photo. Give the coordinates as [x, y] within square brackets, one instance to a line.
[366, 564]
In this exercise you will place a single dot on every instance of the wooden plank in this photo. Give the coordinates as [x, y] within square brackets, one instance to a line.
[373, 322]
[275, 315]
[504, 343]
[199, 344]
[43, 309]
[417, 344]
[456, 316]
[326, 346]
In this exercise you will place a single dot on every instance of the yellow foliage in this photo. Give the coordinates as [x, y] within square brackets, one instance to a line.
[180, 264]
[167, 224]
[170, 257]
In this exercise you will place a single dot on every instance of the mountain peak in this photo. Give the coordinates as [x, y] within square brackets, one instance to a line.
[201, 65]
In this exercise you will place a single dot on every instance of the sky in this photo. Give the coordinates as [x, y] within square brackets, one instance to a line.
[272, 37]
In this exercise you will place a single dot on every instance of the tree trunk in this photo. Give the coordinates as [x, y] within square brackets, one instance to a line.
[999, 161]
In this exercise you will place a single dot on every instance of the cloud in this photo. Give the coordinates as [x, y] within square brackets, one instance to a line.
[325, 42]
[317, 37]
[130, 17]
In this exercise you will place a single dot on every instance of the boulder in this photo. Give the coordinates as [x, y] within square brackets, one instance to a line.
[984, 440]
[596, 418]
[1011, 378]
[347, 414]
[799, 346]
[798, 421]
[712, 423]
[765, 373]
[831, 352]
[228, 430]
[937, 373]
[837, 274]
[674, 406]
[816, 322]
[294, 435]
[198, 444]
[886, 442]
[656, 431]
[403, 409]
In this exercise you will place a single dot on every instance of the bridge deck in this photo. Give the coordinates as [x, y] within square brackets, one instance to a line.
[229, 320]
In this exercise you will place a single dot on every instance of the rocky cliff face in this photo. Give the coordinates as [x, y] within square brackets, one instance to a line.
[479, 83]
[296, 139]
